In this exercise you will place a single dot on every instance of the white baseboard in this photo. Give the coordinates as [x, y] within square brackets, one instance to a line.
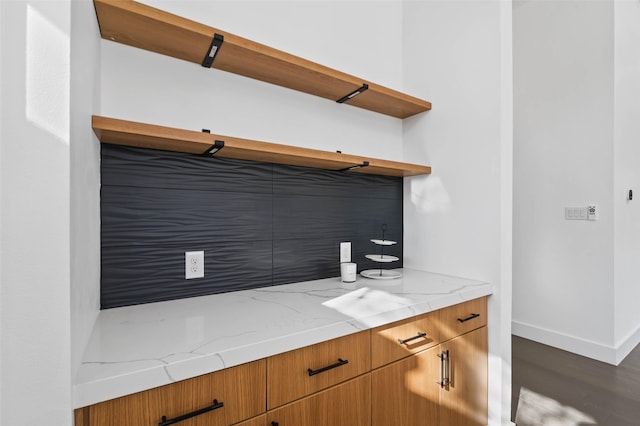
[598, 351]
[627, 344]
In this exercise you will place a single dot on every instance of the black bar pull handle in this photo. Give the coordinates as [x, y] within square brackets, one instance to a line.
[444, 372]
[328, 367]
[417, 336]
[274, 423]
[214, 406]
[470, 317]
[447, 369]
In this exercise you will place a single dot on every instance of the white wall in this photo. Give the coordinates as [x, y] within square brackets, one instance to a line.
[85, 177]
[457, 220]
[148, 87]
[563, 156]
[626, 176]
[1, 222]
[575, 285]
[35, 245]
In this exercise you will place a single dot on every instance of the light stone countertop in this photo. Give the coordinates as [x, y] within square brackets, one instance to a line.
[135, 348]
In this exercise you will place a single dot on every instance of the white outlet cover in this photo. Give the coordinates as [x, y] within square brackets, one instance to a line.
[193, 264]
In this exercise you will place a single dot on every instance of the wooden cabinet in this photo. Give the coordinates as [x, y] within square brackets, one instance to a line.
[445, 384]
[427, 370]
[462, 318]
[463, 400]
[301, 372]
[403, 338]
[405, 392]
[220, 398]
[256, 421]
[347, 404]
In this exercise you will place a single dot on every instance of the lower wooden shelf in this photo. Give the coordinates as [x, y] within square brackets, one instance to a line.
[142, 135]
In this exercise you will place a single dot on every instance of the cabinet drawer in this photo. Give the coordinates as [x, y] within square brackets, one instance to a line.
[300, 372]
[348, 404]
[400, 339]
[233, 395]
[462, 318]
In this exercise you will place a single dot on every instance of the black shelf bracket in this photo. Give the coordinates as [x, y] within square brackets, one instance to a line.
[353, 94]
[357, 166]
[216, 44]
[217, 146]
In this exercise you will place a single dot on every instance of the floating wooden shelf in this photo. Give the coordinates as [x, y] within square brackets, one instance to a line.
[148, 28]
[141, 135]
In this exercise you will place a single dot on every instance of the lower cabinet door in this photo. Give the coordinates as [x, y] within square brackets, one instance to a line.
[405, 393]
[347, 404]
[463, 401]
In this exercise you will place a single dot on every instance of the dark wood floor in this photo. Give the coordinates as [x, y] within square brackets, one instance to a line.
[556, 387]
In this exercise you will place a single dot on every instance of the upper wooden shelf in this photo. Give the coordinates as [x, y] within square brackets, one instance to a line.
[143, 26]
[141, 135]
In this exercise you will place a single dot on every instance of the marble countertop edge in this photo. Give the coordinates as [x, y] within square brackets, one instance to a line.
[367, 306]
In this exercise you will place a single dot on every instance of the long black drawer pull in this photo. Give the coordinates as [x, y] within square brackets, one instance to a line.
[470, 317]
[328, 367]
[215, 406]
[417, 336]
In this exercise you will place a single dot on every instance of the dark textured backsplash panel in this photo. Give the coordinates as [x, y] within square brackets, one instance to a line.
[259, 224]
[156, 216]
[140, 274]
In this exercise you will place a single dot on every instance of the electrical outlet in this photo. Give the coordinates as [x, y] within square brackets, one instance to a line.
[193, 264]
[345, 252]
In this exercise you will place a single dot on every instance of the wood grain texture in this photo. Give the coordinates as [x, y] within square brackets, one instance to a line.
[81, 417]
[256, 421]
[385, 347]
[450, 324]
[348, 404]
[405, 393]
[240, 389]
[287, 373]
[148, 28]
[246, 387]
[464, 401]
[142, 135]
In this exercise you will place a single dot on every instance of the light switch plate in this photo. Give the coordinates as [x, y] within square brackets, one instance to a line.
[345, 252]
[575, 213]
